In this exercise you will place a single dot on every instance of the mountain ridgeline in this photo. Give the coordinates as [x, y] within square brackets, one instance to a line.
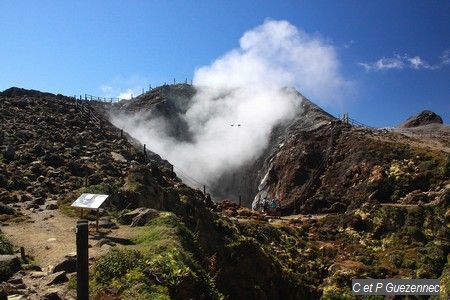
[314, 163]
[356, 202]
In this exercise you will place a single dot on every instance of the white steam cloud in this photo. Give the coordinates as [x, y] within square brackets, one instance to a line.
[244, 87]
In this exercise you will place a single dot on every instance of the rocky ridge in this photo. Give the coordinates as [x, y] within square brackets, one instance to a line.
[190, 248]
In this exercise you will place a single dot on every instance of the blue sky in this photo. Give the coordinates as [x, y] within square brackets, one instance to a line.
[392, 52]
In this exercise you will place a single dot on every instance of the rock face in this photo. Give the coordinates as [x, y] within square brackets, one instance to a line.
[52, 145]
[423, 118]
[313, 163]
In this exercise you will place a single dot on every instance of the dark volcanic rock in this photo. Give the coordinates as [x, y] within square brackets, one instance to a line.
[138, 217]
[423, 118]
[5, 209]
[69, 265]
[51, 296]
[58, 277]
[9, 264]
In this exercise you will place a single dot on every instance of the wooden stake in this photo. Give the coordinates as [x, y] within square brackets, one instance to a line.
[96, 222]
[22, 254]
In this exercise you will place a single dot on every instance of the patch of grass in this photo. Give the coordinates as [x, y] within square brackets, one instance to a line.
[160, 265]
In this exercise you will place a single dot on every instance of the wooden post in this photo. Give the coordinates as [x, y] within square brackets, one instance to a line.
[145, 150]
[142, 91]
[121, 133]
[204, 189]
[240, 201]
[174, 81]
[22, 254]
[82, 260]
[96, 221]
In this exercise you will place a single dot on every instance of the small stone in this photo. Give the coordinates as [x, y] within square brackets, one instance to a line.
[37, 274]
[16, 297]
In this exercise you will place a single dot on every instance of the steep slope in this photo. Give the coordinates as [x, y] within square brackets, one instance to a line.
[309, 163]
[54, 148]
[383, 197]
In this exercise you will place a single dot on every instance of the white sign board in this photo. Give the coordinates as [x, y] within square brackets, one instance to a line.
[90, 201]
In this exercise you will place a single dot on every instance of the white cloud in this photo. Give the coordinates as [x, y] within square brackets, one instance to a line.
[349, 44]
[123, 88]
[446, 57]
[401, 62]
[384, 64]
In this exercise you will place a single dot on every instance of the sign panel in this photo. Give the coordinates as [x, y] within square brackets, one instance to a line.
[90, 201]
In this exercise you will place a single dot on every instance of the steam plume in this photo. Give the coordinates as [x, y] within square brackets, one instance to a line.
[243, 87]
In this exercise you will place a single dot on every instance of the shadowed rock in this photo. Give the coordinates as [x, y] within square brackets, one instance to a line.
[423, 118]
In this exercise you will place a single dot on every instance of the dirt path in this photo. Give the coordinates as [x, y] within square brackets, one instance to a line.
[48, 236]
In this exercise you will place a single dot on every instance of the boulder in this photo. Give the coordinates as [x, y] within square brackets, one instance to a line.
[7, 210]
[58, 277]
[105, 222]
[423, 118]
[9, 153]
[51, 296]
[3, 181]
[415, 197]
[39, 201]
[51, 206]
[53, 160]
[9, 264]
[139, 216]
[69, 265]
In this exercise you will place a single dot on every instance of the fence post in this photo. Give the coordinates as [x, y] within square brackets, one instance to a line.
[240, 201]
[204, 189]
[121, 133]
[82, 260]
[145, 150]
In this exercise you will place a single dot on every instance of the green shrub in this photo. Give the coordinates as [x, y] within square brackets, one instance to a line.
[116, 263]
[5, 245]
